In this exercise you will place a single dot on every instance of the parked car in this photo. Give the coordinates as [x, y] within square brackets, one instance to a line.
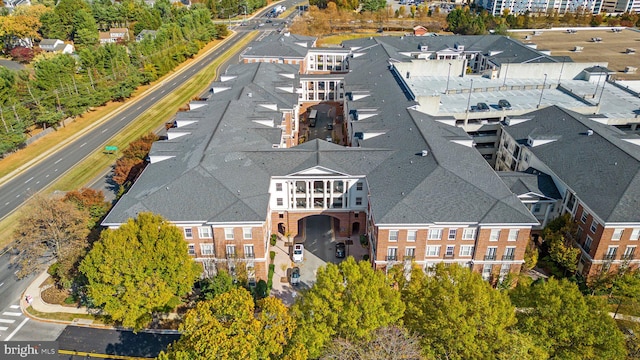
[482, 107]
[504, 104]
[298, 253]
[340, 250]
[295, 276]
[329, 139]
[330, 127]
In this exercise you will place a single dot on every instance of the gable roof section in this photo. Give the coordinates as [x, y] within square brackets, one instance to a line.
[602, 168]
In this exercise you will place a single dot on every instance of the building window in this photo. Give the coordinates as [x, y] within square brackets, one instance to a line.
[611, 253]
[204, 232]
[231, 251]
[594, 226]
[435, 234]
[433, 250]
[584, 216]
[246, 233]
[536, 208]
[248, 252]
[359, 186]
[409, 253]
[513, 234]
[509, 253]
[411, 235]
[466, 250]
[392, 254]
[393, 235]
[228, 233]
[587, 243]
[495, 235]
[452, 234]
[280, 216]
[358, 201]
[469, 234]
[188, 233]
[617, 234]
[280, 201]
[505, 269]
[278, 186]
[628, 252]
[491, 253]
[635, 234]
[206, 249]
[450, 250]
[487, 269]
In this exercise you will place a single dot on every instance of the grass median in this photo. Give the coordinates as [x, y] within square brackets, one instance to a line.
[98, 162]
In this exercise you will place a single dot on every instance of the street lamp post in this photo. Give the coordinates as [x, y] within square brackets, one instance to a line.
[448, 76]
[544, 83]
[244, 20]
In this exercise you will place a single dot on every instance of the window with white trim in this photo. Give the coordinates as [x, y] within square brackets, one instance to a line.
[280, 201]
[192, 249]
[450, 250]
[433, 250]
[628, 252]
[409, 252]
[495, 235]
[594, 226]
[584, 216]
[393, 235]
[228, 233]
[466, 250]
[434, 234]
[611, 252]
[617, 234]
[359, 186]
[635, 234]
[536, 208]
[231, 251]
[358, 201]
[206, 249]
[513, 234]
[204, 232]
[246, 233]
[188, 233]
[412, 235]
[469, 234]
[487, 269]
[452, 234]
[248, 252]
[278, 186]
[587, 243]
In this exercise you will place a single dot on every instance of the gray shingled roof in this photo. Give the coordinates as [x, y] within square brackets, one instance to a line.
[280, 45]
[603, 169]
[530, 181]
[220, 172]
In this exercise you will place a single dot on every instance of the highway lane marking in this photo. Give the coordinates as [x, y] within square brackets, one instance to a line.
[56, 170]
[37, 182]
[139, 107]
[162, 92]
[29, 179]
[7, 321]
[58, 161]
[124, 118]
[105, 130]
[83, 144]
[7, 203]
[9, 313]
[1, 284]
[17, 329]
[29, 188]
[18, 195]
[153, 98]
[174, 84]
[14, 306]
[3, 328]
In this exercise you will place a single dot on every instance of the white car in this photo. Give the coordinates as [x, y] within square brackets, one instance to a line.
[298, 253]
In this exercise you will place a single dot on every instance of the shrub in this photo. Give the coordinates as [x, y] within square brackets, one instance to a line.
[261, 290]
[364, 241]
[70, 300]
[272, 269]
[272, 255]
[365, 257]
[273, 240]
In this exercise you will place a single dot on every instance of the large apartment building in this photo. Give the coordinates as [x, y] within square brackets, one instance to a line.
[517, 7]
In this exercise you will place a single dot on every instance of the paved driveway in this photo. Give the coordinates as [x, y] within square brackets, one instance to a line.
[319, 247]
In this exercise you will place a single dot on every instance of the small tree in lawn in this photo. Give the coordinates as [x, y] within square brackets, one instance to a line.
[136, 270]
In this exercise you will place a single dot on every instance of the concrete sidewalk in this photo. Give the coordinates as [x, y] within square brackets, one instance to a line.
[34, 290]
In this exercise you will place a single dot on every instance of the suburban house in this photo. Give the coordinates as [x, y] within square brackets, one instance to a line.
[146, 34]
[113, 35]
[56, 45]
[12, 4]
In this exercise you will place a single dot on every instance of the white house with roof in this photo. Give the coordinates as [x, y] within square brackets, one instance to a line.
[56, 45]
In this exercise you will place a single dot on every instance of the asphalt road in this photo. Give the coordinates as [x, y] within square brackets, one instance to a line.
[10, 286]
[15, 192]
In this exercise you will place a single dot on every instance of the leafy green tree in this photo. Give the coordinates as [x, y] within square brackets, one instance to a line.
[626, 287]
[530, 257]
[566, 324]
[230, 327]
[350, 301]
[457, 314]
[220, 284]
[138, 269]
[85, 29]
[559, 235]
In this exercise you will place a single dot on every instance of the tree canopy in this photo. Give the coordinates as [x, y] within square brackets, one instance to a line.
[231, 327]
[138, 269]
[350, 301]
[568, 325]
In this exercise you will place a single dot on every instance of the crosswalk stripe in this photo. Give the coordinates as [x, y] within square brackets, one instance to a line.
[8, 313]
[15, 306]
[7, 321]
[3, 328]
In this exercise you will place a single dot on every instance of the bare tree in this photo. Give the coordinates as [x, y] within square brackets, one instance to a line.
[387, 343]
[50, 228]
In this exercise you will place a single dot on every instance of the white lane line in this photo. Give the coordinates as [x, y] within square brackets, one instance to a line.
[124, 118]
[56, 170]
[9, 313]
[15, 272]
[83, 144]
[162, 92]
[105, 130]
[139, 107]
[3, 328]
[7, 321]
[37, 182]
[14, 306]
[17, 329]
[174, 84]
[7, 203]
[153, 98]
[31, 178]
[1, 284]
[18, 195]
[47, 175]
[29, 188]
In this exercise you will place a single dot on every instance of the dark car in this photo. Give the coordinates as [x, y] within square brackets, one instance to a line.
[340, 250]
[295, 276]
[330, 127]
[482, 107]
[504, 104]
